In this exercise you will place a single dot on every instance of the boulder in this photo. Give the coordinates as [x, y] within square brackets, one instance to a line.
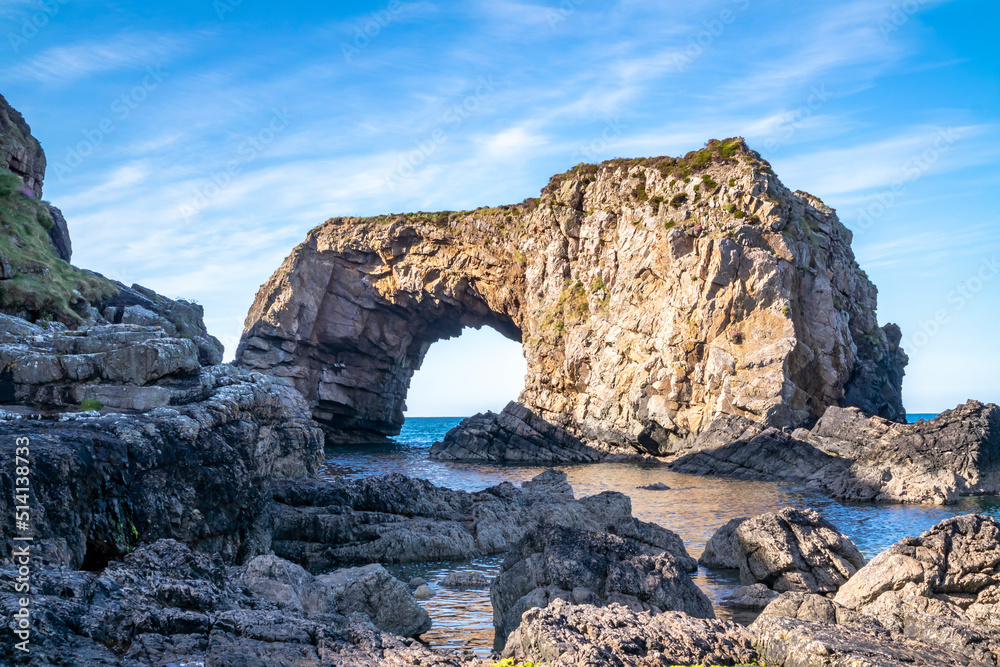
[381, 597]
[589, 568]
[720, 551]
[795, 550]
[753, 597]
[567, 635]
[952, 571]
[392, 518]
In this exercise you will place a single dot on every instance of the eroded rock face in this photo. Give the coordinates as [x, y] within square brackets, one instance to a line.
[557, 563]
[197, 472]
[795, 550]
[651, 296]
[393, 518]
[565, 635]
[19, 150]
[165, 605]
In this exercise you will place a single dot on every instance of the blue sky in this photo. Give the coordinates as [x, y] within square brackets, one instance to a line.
[192, 144]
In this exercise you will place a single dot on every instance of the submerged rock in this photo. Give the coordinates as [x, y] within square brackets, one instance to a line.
[392, 518]
[565, 635]
[465, 580]
[590, 568]
[795, 550]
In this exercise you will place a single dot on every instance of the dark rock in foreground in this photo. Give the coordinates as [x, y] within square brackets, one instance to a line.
[393, 518]
[164, 604]
[590, 568]
[564, 635]
[795, 550]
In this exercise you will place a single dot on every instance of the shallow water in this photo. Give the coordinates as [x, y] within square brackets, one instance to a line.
[694, 508]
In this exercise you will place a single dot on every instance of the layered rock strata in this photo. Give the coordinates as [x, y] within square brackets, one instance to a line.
[650, 297]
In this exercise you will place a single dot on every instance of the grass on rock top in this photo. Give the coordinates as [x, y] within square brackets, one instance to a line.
[43, 284]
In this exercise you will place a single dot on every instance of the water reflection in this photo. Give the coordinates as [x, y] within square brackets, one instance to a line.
[694, 507]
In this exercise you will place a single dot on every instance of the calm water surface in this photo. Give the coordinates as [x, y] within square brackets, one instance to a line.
[694, 508]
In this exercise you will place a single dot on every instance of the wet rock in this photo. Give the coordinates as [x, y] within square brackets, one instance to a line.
[565, 635]
[659, 486]
[952, 571]
[590, 568]
[423, 592]
[795, 550]
[719, 551]
[417, 582]
[392, 518]
[465, 580]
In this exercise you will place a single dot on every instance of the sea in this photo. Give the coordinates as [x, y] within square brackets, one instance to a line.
[694, 508]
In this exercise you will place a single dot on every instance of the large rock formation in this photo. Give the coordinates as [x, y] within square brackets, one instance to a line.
[20, 152]
[651, 296]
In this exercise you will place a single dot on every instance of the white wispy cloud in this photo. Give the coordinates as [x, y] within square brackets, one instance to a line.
[87, 58]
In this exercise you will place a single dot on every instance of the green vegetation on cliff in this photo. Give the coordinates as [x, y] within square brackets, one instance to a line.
[36, 280]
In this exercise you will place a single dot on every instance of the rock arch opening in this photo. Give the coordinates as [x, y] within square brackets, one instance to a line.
[481, 370]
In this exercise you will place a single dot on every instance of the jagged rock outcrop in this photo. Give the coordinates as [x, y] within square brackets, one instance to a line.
[165, 605]
[952, 571]
[392, 518]
[795, 550]
[199, 472]
[651, 297]
[719, 551]
[859, 458]
[565, 635]
[584, 567]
